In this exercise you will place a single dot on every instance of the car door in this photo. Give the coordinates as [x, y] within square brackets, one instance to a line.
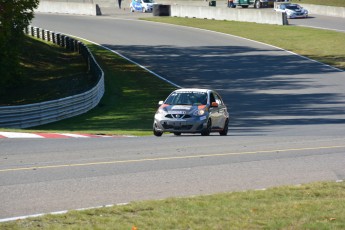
[214, 112]
[137, 5]
[222, 111]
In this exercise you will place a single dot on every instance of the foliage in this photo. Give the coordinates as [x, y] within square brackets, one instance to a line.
[49, 73]
[15, 15]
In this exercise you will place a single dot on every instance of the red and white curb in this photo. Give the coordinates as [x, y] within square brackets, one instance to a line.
[50, 135]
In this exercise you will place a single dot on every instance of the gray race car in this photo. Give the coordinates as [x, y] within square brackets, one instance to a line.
[191, 111]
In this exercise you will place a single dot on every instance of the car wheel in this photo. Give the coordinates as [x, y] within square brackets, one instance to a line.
[224, 132]
[208, 128]
[156, 132]
[177, 134]
[258, 4]
[132, 10]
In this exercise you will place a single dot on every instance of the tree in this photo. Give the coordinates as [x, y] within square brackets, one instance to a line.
[15, 15]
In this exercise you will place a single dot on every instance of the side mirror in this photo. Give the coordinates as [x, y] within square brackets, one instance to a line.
[214, 104]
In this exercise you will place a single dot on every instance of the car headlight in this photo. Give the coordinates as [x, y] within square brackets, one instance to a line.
[199, 112]
[162, 111]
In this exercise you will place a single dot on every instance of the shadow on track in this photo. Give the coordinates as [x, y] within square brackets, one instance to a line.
[261, 89]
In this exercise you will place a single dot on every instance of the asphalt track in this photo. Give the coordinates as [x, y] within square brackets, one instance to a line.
[287, 126]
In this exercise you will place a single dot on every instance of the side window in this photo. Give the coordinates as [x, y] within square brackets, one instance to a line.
[218, 99]
[212, 98]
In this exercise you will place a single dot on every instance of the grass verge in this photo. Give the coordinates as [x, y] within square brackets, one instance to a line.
[130, 100]
[310, 206]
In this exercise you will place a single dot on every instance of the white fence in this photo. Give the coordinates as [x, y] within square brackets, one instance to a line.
[83, 8]
[24, 116]
[217, 13]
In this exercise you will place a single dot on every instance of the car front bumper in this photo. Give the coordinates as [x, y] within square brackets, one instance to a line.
[189, 125]
[298, 15]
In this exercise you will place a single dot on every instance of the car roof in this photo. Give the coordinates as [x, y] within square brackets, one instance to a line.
[193, 90]
[292, 4]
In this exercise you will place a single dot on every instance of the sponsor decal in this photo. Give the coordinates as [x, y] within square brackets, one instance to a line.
[177, 112]
[181, 107]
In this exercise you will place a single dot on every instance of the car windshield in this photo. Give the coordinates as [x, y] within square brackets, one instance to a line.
[187, 98]
[148, 1]
[292, 7]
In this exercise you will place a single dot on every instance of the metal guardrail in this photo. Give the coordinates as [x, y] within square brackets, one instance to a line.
[24, 116]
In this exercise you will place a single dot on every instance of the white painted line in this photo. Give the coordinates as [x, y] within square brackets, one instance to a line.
[58, 212]
[19, 135]
[128, 59]
[103, 206]
[75, 135]
[322, 28]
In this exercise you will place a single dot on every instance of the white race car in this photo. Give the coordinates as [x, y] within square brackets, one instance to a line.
[191, 111]
[292, 10]
[142, 5]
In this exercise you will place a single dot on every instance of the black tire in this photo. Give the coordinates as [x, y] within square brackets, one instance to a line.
[257, 4]
[225, 130]
[156, 132]
[177, 134]
[207, 130]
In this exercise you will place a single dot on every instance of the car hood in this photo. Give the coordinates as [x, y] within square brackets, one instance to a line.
[181, 109]
[296, 10]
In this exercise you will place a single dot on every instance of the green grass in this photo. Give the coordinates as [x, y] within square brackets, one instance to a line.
[49, 72]
[338, 3]
[310, 206]
[130, 100]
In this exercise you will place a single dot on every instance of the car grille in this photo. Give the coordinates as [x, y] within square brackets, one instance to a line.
[182, 127]
[178, 116]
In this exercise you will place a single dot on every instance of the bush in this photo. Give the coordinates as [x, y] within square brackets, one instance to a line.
[15, 15]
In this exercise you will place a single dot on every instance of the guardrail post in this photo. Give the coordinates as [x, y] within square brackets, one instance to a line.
[285, 19]
[43, 34]
[53, 37]
[62, 40]
[67, 46]
[71, 44]
[58, 39]
[38, 32]
[48, 35]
